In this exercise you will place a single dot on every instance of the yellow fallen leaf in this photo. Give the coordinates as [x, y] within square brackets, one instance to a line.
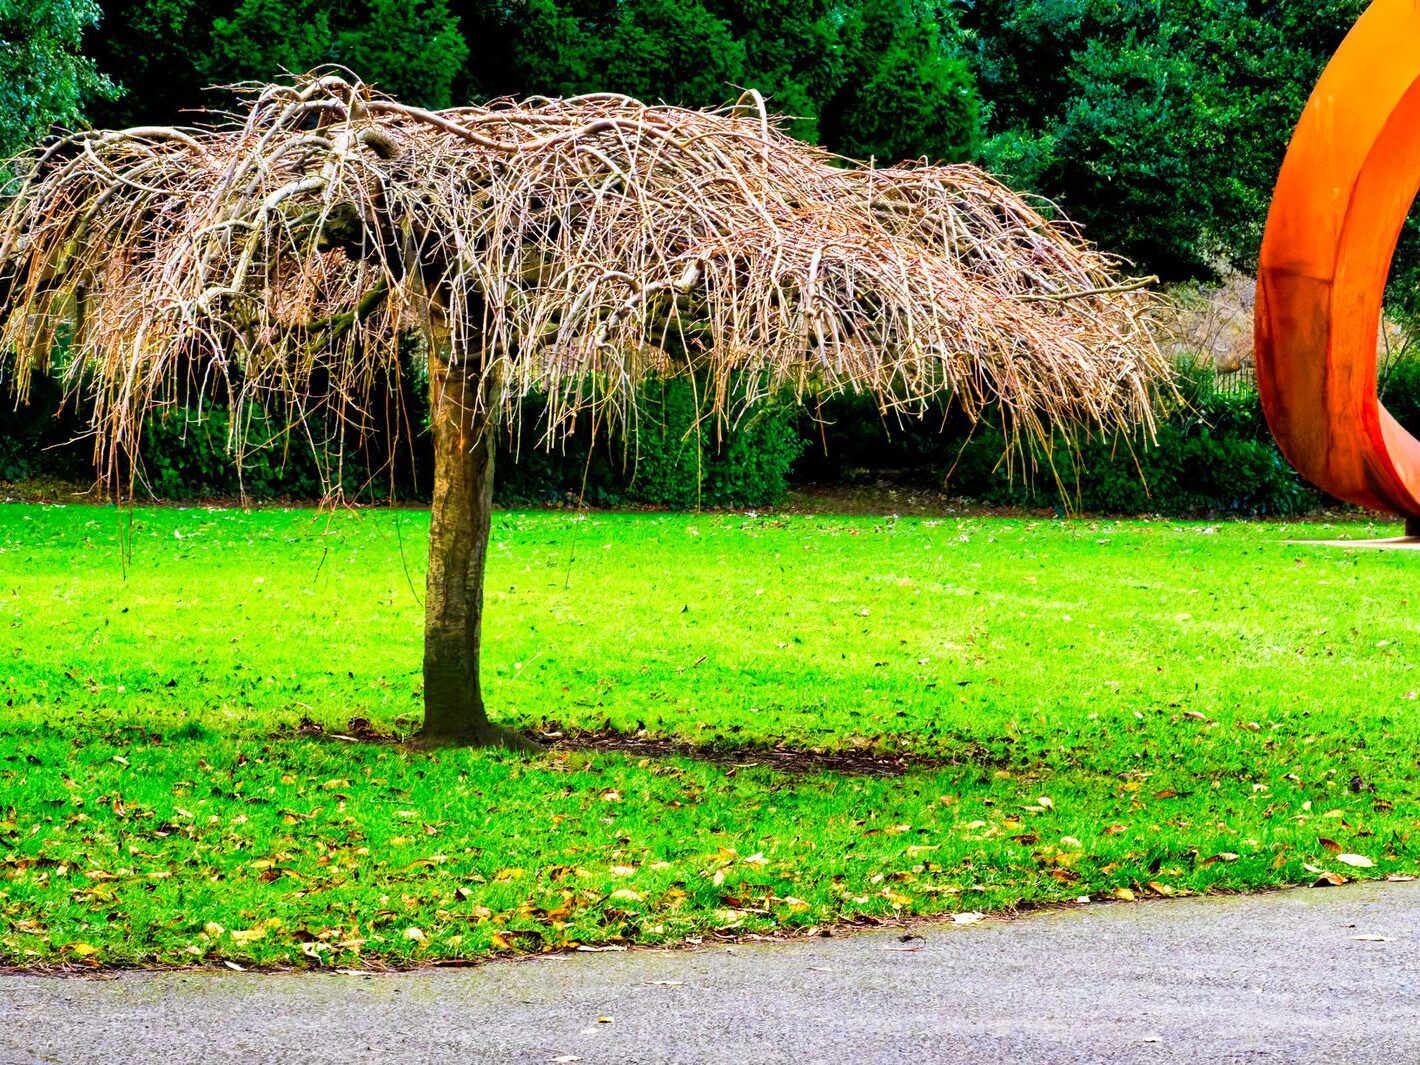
[83, 950]
[626, 893]
[1357, 861]
[1221, 856]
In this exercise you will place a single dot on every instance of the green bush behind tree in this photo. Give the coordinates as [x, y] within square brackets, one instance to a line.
[1158, 124]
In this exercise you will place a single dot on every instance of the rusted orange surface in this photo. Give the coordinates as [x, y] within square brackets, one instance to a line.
[1350, 175]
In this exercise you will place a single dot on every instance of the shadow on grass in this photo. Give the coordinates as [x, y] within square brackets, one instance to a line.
[866, 760]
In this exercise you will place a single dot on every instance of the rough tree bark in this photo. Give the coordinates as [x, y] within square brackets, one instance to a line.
[463, 423]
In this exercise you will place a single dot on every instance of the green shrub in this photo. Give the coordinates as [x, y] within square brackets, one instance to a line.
[186, 455]
[1211, 455]
[36, 439]
[673, 455]
[683, 458]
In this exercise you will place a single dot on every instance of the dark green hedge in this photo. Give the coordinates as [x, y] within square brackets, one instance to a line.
[1213, 457]
[674, 457]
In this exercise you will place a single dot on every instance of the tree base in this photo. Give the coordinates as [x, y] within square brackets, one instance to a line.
[487, 735]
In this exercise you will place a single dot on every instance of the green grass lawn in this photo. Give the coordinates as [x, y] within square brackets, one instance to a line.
[1111, 709]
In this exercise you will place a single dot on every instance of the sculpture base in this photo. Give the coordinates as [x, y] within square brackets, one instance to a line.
[1409, 542]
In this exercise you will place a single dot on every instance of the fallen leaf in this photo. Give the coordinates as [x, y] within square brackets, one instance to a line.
[1329, 844]
[1373, 939]
[1356, 861]
[969, 917]
[1329, 880]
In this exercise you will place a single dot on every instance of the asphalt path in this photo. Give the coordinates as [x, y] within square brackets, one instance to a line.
[1317, 975]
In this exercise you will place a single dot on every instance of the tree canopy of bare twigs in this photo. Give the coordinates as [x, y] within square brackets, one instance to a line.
[569, 246]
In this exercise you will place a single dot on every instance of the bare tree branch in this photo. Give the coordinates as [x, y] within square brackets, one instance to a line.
[573, 245]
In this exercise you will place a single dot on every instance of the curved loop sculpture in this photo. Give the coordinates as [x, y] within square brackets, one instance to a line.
[1350, 175]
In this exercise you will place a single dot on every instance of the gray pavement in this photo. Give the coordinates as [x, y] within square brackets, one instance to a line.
[1298, 977]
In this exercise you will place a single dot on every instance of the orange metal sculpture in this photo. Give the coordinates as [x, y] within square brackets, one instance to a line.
[1348, 181]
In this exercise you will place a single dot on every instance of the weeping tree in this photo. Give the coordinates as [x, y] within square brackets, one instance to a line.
[292, 259]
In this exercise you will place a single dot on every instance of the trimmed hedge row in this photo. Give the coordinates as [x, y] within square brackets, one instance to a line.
[1213, 456]
[675, 458]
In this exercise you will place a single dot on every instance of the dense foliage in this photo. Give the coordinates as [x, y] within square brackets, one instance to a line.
[1121, 111]
[1213, 456]
[44, 77]
[1157, 124]
[810, 59]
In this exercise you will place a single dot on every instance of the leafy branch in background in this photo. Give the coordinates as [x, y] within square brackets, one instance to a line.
[44, 76]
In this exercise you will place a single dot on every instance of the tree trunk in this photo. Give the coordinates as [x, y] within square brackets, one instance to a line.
[463, 425]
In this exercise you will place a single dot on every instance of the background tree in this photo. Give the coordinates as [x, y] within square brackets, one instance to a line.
[155, 52]
[566, 247]
[411, 48]
[44, 77]
[1158, 124]
[164, 55]
[902, 94]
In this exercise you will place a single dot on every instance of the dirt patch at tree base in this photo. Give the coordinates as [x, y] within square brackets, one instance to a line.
[856, 761]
